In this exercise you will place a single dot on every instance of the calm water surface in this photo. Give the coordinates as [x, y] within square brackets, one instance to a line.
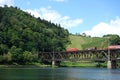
[59, 74]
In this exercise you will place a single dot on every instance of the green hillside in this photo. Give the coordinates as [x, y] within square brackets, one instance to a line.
[82, 42]
[22, 36]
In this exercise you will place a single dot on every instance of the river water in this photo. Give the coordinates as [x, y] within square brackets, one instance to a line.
[59, 74]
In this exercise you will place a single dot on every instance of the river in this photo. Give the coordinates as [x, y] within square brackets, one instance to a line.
[59, 74]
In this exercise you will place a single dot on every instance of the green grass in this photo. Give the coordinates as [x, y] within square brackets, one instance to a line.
[81, 42]
[77, 64]
[82, 64]
[76, 42]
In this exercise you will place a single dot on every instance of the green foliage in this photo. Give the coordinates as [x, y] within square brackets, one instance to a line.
[21, 32]
[3, 49]
[113, 39]
[17, 54]
[9, 57]
[27, 56]
[1, 59]
[6, 58]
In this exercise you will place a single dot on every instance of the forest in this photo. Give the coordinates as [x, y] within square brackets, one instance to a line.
[22, 36]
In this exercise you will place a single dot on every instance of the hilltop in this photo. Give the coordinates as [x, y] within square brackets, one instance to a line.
[82, 42]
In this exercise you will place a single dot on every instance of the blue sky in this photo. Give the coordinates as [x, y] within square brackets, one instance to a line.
[94, 17]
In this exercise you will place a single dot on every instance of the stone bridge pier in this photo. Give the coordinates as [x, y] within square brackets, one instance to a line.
[55, 63]
[112, 64]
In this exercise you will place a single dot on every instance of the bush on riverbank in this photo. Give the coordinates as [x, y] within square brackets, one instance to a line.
[15, 57]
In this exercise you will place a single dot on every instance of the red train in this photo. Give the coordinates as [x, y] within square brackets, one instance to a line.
[93, 48]
[114, 47]
[72, 49]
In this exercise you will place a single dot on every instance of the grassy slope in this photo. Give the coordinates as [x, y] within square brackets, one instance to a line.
[81, 42]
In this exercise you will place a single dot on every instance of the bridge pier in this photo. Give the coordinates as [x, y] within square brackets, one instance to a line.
[53, 63]
[111, 64]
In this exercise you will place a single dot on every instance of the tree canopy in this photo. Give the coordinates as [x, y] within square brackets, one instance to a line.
[22, 33]
[114, 39]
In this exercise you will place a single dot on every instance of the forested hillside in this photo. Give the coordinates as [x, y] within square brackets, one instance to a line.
[22, 36]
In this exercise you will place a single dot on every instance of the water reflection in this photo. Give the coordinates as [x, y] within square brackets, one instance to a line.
[59, 74]
[96, 74]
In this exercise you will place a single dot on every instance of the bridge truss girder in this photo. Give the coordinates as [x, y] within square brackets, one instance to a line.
[100, 55]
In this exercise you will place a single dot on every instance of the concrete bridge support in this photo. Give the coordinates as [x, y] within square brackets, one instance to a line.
[111, 64]
[53, 63]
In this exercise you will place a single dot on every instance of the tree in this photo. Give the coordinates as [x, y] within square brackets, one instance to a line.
[84, 34]
[9, 57]
[113, 39]
[3, 49]
[17, 55]
[27, 56]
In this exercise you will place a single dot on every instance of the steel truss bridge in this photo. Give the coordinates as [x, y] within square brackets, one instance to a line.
[96, 55]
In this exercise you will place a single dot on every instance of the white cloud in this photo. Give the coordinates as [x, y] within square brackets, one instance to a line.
[113, 27]
[55, 17]
[6, 2]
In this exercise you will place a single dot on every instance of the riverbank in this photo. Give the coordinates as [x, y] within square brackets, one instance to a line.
[62, 64]
[23, 66]
[82, 64]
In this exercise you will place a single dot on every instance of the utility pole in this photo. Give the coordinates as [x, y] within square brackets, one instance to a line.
[108, 50]
[53, 56]
[109, 63]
